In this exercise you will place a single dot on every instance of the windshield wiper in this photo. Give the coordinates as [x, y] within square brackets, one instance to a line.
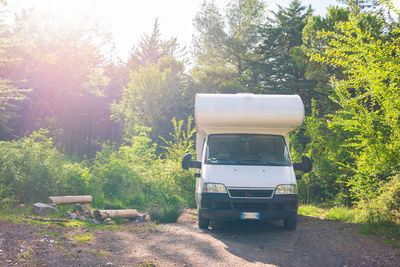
[244, 161]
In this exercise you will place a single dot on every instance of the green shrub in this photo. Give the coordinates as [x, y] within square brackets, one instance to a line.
[167, 212]
[382, 208]
[31, 169]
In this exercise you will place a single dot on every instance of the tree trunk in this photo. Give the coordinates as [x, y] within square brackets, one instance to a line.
[126, 214]
[63, 200]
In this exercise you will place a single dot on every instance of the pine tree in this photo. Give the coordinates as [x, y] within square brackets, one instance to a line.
[281, 65]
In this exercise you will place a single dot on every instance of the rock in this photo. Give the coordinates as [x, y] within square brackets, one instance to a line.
[85, 208]
[51, 241]
[81, 218]
[141, 218]
[72, 215]
[43, 209]
[95, 221]
[109, 263]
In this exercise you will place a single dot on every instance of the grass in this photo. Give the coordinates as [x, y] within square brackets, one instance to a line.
[84, 238]
[98, 253]
[18, 217]
[313, 211]
[333, 214]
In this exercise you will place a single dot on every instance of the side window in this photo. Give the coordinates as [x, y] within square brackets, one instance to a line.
[205, 149]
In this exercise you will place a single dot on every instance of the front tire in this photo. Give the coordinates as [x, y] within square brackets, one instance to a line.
[203, 222]
[290, 223]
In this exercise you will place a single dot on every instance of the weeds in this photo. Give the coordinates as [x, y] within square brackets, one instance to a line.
[84, 238]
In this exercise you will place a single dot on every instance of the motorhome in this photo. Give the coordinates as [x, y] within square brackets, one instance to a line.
[244, 169]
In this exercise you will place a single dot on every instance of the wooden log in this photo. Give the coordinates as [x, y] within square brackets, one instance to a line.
[126, 214]
[64, 200]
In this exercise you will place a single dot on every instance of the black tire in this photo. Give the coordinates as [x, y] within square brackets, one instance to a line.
[203, 222]
[290, 223]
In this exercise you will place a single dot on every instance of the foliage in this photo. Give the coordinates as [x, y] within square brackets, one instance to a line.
[9, 91]
[280, 65]
[155, 94]
[368, 115]
[224, 45]
[32, 169]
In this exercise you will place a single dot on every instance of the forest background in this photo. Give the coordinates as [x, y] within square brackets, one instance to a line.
[76, 120]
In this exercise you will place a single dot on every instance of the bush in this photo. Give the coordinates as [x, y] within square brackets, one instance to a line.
[132, 176]
[167, 212]
[385, 207]
[31, 169]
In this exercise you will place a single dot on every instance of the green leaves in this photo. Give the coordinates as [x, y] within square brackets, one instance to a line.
[367, 94]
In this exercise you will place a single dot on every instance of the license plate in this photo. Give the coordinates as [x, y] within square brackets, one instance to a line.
[250, 216]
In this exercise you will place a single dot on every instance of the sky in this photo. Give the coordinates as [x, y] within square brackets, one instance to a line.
[128, 20]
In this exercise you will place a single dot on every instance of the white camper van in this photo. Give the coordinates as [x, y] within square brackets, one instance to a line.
[244, 170]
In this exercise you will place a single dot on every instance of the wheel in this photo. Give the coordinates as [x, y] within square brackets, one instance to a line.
[290, 223]
[203, 222]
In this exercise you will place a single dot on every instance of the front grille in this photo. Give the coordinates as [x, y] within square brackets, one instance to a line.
[222, 205]
[251, 193]
[250, 206]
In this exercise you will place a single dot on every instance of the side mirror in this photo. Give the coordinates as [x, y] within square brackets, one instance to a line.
[187, 162]
[305, 165]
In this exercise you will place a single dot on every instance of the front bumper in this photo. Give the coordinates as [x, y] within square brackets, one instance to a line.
[219, 206]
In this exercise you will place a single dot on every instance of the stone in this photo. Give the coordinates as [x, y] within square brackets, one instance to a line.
[43, 209]
[140, 218]
[72, 215]
[81, 218]
[85, 208]
[94, 221]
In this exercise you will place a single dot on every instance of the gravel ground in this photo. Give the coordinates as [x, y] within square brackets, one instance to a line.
[314, 243]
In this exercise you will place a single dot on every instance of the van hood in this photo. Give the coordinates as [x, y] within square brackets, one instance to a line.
[248, 176]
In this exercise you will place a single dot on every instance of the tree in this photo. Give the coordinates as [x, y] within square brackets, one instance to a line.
[155, 94]
[9, 91]
[367, 95]
[151, 49]
[224, 45]
[64, 66]
[157, 89]
[281, 65]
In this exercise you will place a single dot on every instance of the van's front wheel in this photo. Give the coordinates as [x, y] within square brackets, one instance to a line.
[203, 222]
[290, 223]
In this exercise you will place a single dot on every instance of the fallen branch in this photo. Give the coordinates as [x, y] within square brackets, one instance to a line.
[45, 219]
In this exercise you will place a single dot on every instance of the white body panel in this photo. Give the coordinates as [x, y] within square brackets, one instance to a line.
[248, 176]
[248, 113]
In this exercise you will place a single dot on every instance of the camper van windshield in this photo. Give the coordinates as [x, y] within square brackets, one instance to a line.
[247, 149]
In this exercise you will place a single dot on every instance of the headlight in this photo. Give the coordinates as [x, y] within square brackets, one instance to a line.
[286, 189]
[214, 188]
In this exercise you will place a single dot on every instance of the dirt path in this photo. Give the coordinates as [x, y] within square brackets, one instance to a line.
[314, 243]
